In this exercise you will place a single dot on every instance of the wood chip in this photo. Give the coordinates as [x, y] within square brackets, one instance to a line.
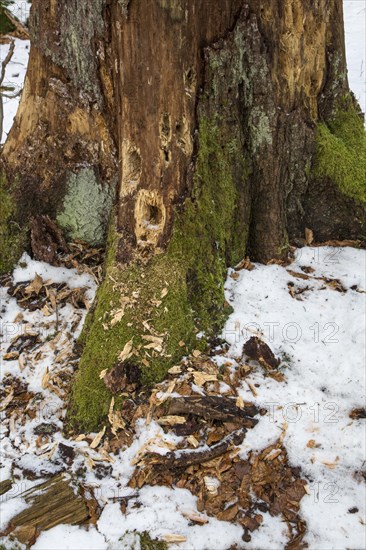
[200, 378]
[195, 517]
[309, 236]
[171, 420]
[193, 441]
[171, 538]
[273, 454]
[240, 402]
[164, 292]
[8, 399]
[35, 286]
[127, 351]
[175, 370]
[45, 379]
[252, 389]
[97, 439]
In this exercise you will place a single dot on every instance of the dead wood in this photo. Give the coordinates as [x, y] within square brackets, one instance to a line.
[214, 408]
[183, 459]
[51, 503]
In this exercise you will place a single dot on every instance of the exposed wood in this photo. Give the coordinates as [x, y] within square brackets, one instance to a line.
[50, 504]
[5, 486]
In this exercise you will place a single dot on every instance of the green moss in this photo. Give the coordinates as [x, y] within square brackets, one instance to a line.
[341, 153]
[147, 543]
[188, 280]
[141, 541]
[12, 237]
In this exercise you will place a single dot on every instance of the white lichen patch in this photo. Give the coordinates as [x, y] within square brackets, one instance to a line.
[86, 207]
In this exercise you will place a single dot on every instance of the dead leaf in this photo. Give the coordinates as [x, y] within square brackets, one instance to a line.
[244, 264]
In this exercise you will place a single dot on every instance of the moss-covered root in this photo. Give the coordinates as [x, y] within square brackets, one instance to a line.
[158, 306]
[341, 153]
[12, 237]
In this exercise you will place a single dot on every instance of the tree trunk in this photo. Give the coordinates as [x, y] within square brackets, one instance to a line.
[216, 129]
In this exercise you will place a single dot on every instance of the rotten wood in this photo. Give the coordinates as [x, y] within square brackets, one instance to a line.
[214, 408]
[184, 458]
[51, 503]
[46, 240]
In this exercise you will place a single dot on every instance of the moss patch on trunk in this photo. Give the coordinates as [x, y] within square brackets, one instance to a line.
[341, 153]
[173, 295]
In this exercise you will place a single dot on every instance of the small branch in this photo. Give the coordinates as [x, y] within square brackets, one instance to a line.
[185, 458]
[6, 61]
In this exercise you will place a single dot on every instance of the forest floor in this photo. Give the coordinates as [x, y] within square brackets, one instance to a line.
[258, 444]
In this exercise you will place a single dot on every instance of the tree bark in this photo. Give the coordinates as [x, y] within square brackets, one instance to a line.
[215, 128]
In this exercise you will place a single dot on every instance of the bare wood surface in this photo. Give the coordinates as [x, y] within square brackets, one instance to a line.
[50, 504]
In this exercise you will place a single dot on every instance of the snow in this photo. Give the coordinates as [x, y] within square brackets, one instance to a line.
[20, 8]
[355, 33]
[161, 512]
[70, 537]
[321, 338]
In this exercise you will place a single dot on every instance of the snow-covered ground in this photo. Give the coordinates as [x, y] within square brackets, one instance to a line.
[314, 322]
[320, 334]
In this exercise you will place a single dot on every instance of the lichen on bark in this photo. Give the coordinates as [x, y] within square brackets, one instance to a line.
[75, 27]
[87, 204]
